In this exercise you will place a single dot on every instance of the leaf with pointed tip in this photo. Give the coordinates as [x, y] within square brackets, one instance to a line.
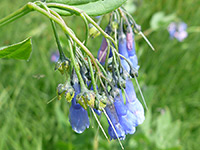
[21, 50]
[94, 8]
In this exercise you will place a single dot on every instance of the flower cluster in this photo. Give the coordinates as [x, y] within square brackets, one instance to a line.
[178, 30]
[104, 85]
[124, 116]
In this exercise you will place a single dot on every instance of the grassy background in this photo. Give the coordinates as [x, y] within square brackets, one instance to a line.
[169, 79]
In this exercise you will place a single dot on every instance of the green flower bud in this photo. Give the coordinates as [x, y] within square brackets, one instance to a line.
[62, 66]
[81, 100]
[86, 99]
[69, 94]
[60, 91]
[66, 89]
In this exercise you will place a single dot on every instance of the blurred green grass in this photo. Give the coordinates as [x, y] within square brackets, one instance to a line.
[169, 78]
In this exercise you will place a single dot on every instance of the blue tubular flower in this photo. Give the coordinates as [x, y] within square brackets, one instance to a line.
[131, 49]
[112, 114]
[126, 118]
[133, 104]
[123, 50]
[122, 45]
[78, 116]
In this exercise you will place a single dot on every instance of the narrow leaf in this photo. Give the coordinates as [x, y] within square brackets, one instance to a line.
[71, 2]
[21, 50]
[93, 8]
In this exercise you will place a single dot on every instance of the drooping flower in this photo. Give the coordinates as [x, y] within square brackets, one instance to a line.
[112, 114]
[78, 116]
[128, 50]
[125, 116]
[133, 103]
[102, 51]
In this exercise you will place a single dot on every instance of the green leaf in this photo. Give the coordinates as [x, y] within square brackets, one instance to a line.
[94, 8]
[21, 50]
[71, 2]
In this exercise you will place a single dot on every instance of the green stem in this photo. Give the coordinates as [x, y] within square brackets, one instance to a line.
[87, 28]
[107, 54]
[71, 8]
[92, 76]
[62, 55]
[102, 69]
[117, 69]
[82, 84]
[15, 15]
[67, 30]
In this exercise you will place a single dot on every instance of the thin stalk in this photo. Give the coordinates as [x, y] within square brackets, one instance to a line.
[92, 76]
[71, 8]
[99, 124]
[87, 28]
[102, 69]
[15, 15]
[139, 31]
[62, 55]
[141, 93]
[67, 30]
[113, 128]
[115, 62]
[107, 55]
[125, 60]
[75, 66]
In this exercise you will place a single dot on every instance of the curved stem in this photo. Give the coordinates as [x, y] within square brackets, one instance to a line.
[107, 54]
[62, 55]
[75, 66]
[67, 30]
[71, 8]
[87, 28]
[92, 76]
[15, 15]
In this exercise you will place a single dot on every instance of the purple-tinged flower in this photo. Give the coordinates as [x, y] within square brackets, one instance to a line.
[172, 29]
[182, 27]
[55, 56]
[129, 39]
[128, 51]
[78, 116]
[178, 31]
[131, 48]
[102, 51]
[180, 36]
